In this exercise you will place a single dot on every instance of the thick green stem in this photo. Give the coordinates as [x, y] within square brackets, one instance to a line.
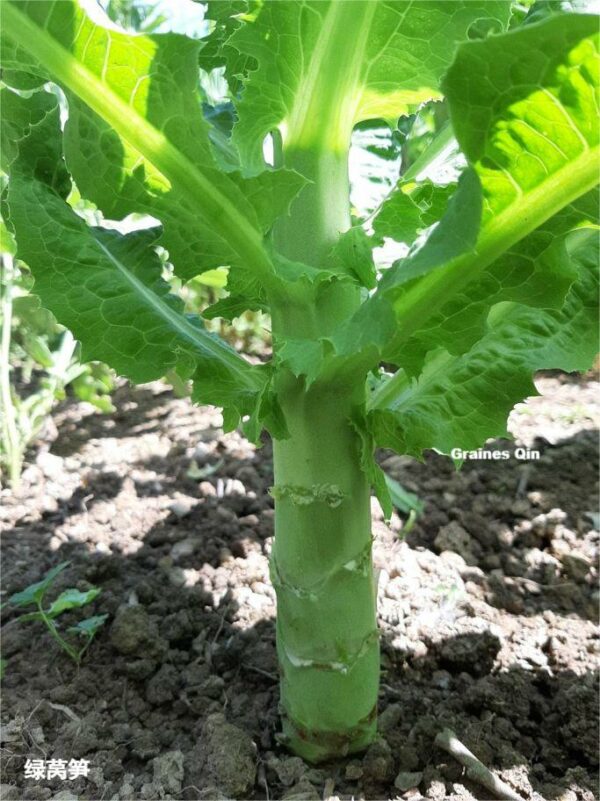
[321, 212]
[321, 568]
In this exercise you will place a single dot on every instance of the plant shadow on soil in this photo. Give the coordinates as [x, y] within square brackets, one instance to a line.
[499, 647]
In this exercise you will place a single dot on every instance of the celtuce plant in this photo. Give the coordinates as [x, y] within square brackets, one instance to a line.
[497, 282]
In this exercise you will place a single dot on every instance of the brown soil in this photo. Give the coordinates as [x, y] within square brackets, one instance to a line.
[487, 612]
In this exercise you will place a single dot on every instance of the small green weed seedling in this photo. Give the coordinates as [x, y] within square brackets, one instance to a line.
[67, 600]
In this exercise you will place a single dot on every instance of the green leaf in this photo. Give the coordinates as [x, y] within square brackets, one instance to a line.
[353, 254]
[369, 330]
[542, 9]
[536, 271]
[402, 499]
[374, 324]
[121, 309]
[219, 386]
[460, 401]
[105, 287]
[245, 294]
[410, 209]
[93, 385]
[71, 599]
[267, 414]
[400, 218]
[369, 466]
[7, 243]
[217, 279]
[232, 306]
[455, 235]
[301, 357]
[15, 61]
[537, 118]
[35, 592]
[528, 123]
[30, 140]
[370, 59]
[90, 626]
[37, 348]
[313, 310]
[217, 52]
[29, 310]
[136, 139]
[531, 134]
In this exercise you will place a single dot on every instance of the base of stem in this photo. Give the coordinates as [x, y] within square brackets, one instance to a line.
[320, 745]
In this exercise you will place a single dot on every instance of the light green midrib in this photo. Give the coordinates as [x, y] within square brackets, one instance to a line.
[300, 109]
[201, 193]
[398, 392]
[314, 116]
[201, 341]
[438, 291]
[522, 217]
[390, 394]
[442, 140]
[442, 363]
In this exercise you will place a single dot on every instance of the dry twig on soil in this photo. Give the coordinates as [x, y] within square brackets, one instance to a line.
[476, 770]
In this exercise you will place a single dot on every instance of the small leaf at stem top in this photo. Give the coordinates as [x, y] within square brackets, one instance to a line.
[90, 626]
